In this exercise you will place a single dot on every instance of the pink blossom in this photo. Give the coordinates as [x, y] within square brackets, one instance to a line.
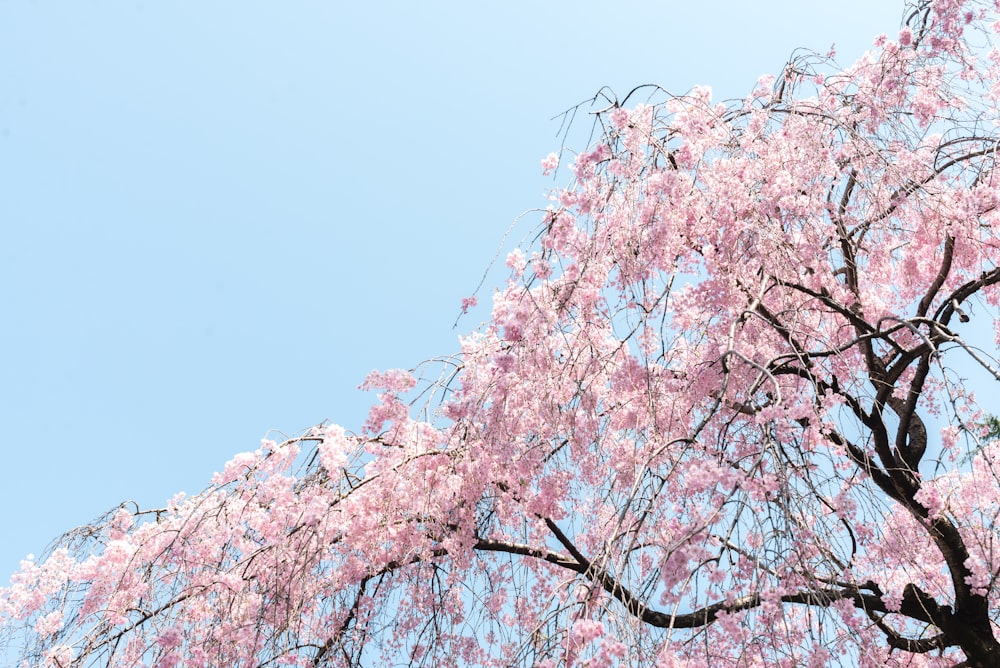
[49, 624]
[549, 164]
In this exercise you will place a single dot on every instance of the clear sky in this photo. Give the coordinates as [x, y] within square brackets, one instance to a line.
[217, 217]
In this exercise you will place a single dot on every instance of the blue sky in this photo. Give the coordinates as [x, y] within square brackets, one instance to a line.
[218, 217]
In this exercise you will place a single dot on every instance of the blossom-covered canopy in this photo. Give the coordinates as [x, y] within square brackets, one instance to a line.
[719, 417]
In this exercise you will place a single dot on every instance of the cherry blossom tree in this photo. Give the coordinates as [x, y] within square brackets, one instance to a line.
[719, 417]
